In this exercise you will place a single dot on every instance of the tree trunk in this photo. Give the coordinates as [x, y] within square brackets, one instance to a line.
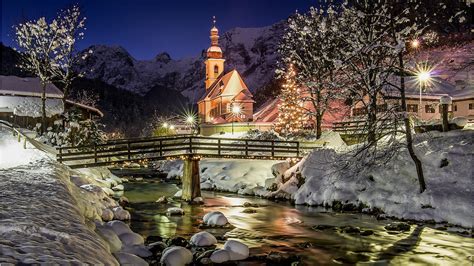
[43, 109]
[372, 120]
[406, 119]
[318, 125]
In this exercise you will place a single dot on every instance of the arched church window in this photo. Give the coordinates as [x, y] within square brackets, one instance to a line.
[216, 69]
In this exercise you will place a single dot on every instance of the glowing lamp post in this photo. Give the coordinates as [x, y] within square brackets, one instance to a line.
[190, 121]
[423, 77]
[236, 112]
[415, 44]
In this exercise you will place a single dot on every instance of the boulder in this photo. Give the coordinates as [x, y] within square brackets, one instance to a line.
[203, 239]
[174, 211]
[220, 256]
[215, 218]
[176, 256]
[112, 239]
[107, 215]
[129, 259]
[237, 250]
[121, 214]
[162, 200]
[131, 239]
[119, 227]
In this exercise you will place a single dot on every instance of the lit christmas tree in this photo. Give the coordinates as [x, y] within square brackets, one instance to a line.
[291, 115]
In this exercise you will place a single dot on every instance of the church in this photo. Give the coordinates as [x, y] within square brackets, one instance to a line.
[227, 97]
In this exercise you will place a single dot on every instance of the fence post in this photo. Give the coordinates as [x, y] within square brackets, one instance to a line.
[298, 149]
[128, 149]
[161, 147]
[60, 155]
[246, 148]
[95, 152]
[273, 148]
[190, 145]
[24, 143]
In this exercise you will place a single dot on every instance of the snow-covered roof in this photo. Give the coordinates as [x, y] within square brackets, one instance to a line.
[13, 85]
[437, 88]
[230, 84]
[30, 106]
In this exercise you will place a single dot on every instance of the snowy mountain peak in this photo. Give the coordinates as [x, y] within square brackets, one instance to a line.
[163, 57]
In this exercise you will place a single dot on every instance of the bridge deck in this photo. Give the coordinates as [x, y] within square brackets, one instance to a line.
[142, 149]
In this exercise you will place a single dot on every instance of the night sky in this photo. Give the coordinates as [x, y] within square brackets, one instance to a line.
[146, 27]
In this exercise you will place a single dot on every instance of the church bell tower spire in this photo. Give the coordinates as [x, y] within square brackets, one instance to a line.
[214, 62]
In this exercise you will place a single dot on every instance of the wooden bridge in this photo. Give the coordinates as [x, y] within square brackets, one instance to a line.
[188, 148]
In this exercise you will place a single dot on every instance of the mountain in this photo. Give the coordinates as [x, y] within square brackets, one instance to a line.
[252, 51]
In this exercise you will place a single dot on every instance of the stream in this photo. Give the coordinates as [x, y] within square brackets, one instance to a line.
[287, 229]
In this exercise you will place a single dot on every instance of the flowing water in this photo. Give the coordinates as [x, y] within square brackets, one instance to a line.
[281, 227]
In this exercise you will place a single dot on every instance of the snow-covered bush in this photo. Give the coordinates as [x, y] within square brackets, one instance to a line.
[262, 135]
[72, 130]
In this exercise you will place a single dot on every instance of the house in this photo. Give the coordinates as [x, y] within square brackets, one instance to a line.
[21, 104]
[426, 106]
[227, 97]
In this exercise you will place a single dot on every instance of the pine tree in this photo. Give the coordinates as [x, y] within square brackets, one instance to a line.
[291, 115]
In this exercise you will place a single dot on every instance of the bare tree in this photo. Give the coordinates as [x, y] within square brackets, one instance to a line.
[38, 40]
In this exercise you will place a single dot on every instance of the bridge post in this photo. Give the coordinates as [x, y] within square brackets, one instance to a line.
[191, 180]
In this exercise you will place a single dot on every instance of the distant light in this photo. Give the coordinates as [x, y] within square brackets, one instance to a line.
[190, 119]
[236, 109]
[415, 44]
[172, 127]
[165, 125]
[424, 76]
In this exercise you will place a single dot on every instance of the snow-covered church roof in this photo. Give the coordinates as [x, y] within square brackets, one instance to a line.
[31, 86]
[230, 84]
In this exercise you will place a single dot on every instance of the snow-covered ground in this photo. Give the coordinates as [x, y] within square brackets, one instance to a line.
[51, 214]
[318, 180]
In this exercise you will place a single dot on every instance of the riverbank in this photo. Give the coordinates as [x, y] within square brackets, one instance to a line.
[52, 214]
[389, 190]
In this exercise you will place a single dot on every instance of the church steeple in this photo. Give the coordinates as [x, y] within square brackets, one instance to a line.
[214, 62]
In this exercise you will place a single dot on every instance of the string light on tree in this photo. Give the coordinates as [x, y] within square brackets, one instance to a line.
[291, 118]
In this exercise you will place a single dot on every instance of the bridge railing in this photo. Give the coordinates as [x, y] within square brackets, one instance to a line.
[129, 150]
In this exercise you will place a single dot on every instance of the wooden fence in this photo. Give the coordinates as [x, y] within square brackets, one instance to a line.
[129, 150]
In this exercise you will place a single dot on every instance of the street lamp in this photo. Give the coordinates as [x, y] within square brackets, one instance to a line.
[423, 77]
[165, 125]
[235, 111]
[415, 44]
[190, 121]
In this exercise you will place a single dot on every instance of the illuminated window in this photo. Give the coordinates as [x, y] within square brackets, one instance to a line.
[216, 69]
[412, 108]
[429, 109]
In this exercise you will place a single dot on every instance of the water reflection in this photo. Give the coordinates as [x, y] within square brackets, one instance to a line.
[285, 228]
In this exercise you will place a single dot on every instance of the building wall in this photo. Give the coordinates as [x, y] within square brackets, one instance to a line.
[463, 108]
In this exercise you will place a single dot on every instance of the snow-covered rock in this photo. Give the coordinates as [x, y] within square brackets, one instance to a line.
[118, 187]
[119, 227]
[203, 239]
[107, 215]
[130, 259]
[460, 121]
[121, 214]
[139, 250]
[220, 256]
[176, 256]
[110, 237]
[178, 194]
[174, 211]
[237, 250]
[215, 218]
[131, 239]
[198, 200]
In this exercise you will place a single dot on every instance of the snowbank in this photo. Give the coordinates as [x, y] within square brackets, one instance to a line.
[447, 162]
[45, 218]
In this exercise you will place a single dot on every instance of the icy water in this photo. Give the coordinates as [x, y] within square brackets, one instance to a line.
[281, 227]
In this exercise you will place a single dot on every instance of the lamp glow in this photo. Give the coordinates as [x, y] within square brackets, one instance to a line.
[415, 44]
[165, 125]
[236, 109]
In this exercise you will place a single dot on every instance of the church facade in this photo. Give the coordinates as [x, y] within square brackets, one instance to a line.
[227, 97]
